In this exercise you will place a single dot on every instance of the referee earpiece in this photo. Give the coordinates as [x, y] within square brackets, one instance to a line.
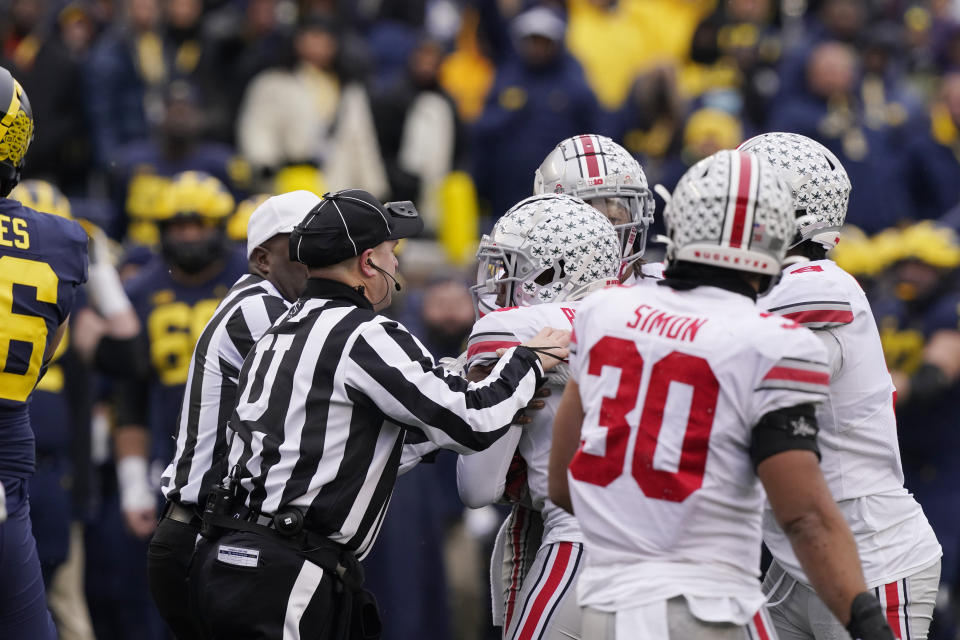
[396, 285]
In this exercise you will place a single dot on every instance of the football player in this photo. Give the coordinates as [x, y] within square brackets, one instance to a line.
[543, 256]
[43, 261]
[691, 403]
[174, 295]
[101, 332]
[858, 430]
[57, 409]
[604, 175]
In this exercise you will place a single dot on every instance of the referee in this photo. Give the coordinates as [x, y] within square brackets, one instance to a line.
[254, 303]
[325, 401]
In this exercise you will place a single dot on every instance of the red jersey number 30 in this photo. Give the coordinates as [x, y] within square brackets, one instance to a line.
[682, 368]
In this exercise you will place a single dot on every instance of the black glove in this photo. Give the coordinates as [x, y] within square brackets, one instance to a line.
[867, 621]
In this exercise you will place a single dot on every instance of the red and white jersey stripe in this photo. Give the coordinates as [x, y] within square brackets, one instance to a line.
[817, 314]
[799, 375]
[858, 429]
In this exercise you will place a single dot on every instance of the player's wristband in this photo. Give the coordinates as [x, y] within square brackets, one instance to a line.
[135, 492]
[106, 291]
[867, 621]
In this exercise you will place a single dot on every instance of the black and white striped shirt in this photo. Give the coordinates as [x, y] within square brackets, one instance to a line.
[251, 306]
[326, 398]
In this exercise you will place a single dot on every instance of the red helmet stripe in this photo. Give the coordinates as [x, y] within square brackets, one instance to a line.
[590, 155]
[744, 193]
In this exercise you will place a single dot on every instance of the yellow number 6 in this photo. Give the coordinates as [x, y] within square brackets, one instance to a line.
[22, 327]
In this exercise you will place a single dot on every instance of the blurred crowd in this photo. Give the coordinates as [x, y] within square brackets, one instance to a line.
[146, 108]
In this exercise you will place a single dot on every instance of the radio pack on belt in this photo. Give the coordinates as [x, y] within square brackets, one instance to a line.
[219, 505]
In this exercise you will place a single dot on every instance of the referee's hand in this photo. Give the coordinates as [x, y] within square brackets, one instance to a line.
[551, 346]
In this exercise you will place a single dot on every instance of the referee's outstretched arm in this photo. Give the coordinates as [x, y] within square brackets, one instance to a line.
[403, 380]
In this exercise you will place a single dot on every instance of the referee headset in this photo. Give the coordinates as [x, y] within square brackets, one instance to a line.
[303, 254]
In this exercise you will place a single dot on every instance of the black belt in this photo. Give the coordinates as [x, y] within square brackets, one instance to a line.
[317, 548]
[175, 510]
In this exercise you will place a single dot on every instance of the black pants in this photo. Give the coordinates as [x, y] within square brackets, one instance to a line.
[250, 586]
[168, 564]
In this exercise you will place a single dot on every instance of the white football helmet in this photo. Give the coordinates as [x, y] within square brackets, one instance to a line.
[604, 175]
[546, 248]
[819, 183]
[731, 210]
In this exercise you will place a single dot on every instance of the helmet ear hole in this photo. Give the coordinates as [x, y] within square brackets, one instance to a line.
[549, 275]
[545, 278]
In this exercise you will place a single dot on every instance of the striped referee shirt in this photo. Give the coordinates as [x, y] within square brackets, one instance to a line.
[251, 306]
[327, 397]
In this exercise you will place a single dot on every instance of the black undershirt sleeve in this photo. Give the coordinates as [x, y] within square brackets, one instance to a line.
[131, 401]
[122, 357]
[785, 430]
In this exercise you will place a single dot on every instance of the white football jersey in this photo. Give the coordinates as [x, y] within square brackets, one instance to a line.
[506, 328]
[663, 485]
[858, 429]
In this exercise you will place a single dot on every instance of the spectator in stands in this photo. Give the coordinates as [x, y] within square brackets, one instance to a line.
[612, 40]
[740, 36]
[189, 54]
[888, 102]
[936, 157]
[77, 29]
[650, 123]
[836, 20]
[33, 50]
[132, 64]
[539, 96]
[143, 167]
[253, 41]
[831, 111]
[316, 92]
[125, 70]
[918, 314]
[419, 132]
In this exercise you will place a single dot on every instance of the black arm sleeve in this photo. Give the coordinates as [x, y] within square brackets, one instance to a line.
[785, 430]
[122, 357]
[130, 397]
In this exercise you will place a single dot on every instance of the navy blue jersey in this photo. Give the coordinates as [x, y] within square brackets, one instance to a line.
[52, 415]
[173, 315]
[43, 259]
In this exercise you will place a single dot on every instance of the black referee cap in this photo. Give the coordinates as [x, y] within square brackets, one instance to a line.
[347, 223]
